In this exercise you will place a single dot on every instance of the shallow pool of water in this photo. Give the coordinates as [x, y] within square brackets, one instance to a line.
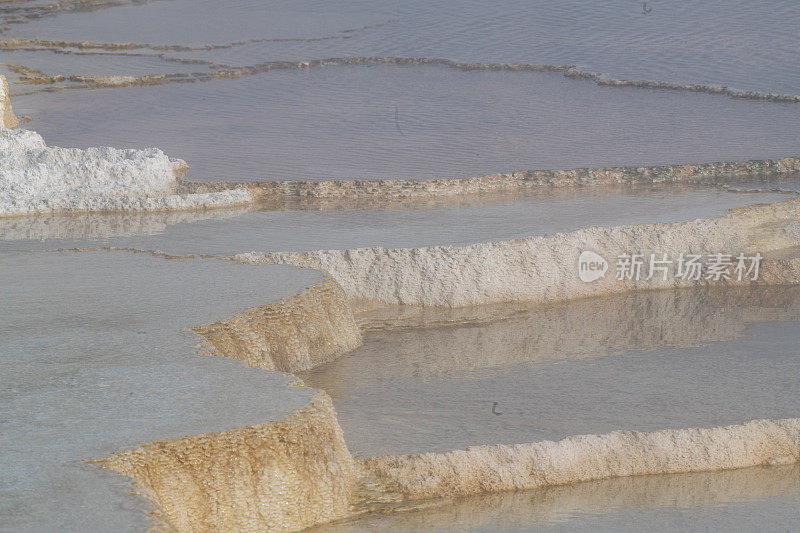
[97, 359]
[748, 499]
[419, 122]
[642, 361]
[534, 212]
[741, 44]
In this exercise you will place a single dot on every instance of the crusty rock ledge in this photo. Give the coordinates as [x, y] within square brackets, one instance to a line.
[293, 334]
[279, 476]
[226, 72]
[483, 469]
[540, 269]
[36, 178]
[297, 472]
[331, 193]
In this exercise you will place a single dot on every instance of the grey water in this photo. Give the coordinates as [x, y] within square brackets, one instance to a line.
[642, 361]
[429, 380]
[416, 121]
[741, 44]
[97, 359]
[94, 349]
[356, 122]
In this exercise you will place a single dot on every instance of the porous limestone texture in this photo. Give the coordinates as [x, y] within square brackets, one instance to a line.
[279, 476]
[7, 117]
[296, 333]
[546, 268]
[37, 178]
[483, 469]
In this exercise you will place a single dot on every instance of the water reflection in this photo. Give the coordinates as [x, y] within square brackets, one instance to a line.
[435, 381]
[691, 495]
[47, 226]
[416, 342]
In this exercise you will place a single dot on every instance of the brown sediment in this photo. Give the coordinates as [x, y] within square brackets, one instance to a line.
[33, 76]
[278, 476]
[607, 81]
[226, 72]
[367, 202]
[24, 14]
[7, 117]
[296, 333]
[37, 77]
[236, 72]
[129, 81]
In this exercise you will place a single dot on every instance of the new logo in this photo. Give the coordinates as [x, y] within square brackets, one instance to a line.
[591, 266]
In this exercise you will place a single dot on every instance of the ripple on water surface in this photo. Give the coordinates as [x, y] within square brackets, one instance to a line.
[748, 45]
[419, 122]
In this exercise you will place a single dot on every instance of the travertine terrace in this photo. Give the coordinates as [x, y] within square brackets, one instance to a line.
[281, 476]
[543, 268]
[484, 469]
[295, 334]
[294, 471]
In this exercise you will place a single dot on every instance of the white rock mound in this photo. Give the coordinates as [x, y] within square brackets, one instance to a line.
[36, 178]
